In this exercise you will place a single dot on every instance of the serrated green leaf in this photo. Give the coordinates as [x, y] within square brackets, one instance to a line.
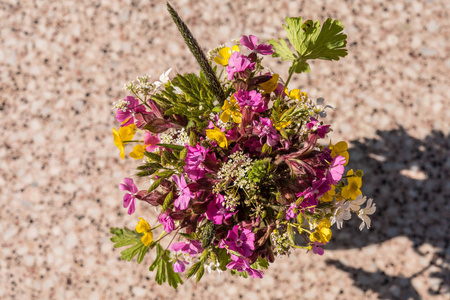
[300, 66]
[160, 272]
[193, 270]
[172, 278]
[167, 201]
[282, 49]
[142, 253]
[155, 184]
[200, 272]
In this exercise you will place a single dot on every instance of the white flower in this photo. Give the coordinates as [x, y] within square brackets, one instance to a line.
[341, 213]
[177, 90]
[355, 204]
[163, 79]
[364, 214]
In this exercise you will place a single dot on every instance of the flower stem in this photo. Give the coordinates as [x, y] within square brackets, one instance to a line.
[291, 72]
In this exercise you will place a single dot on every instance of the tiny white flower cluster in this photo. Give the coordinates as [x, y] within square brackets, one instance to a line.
[280, 243]
[231, 201]
[122, 105]
[177, 137]
[144, 86]
[236, 168]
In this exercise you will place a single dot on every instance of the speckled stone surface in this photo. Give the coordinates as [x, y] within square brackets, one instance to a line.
[63, 63]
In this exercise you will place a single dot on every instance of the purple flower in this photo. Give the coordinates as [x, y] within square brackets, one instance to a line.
[321, 130]
[179, 266]
[129, 198]
[254, 145]
[316, 249]
[238, 63]
[253, 99]
[216, 212]
[264, 128]
[167, 221]
[193, 248]
[310, 195]
[151, 141]
[194, 162]
[250, 43]
[126, 112]
[242, 243]
[292, 212]
[185, 194]
[242, 265]
[336, 169]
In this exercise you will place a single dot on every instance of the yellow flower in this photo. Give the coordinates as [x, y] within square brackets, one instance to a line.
[217, 135]
[352, 190]
[270, 85]
[225, 54]
[340, 149]
[144, 227]
[322, 234]
[138, 152]
[120, 137]
[328, 197]
[296, 94]
[231, 109]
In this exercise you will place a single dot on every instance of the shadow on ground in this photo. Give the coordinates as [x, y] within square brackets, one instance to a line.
[409, 180]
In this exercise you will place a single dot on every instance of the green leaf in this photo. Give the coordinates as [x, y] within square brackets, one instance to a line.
[165, 174]
[282, 50]
[170, 146]
[155, 184]
[126, 237]
[193, 270]
[300, 66]
[167, 201]
[260, 263]
[201, 271]
[160, 272]
[172, 278]
[153, 156]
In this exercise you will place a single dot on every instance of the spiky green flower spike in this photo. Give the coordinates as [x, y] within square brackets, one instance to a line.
[198, 54]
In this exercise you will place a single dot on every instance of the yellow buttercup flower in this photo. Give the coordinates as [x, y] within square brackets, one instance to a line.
[138, 152]
[225, 54]
[120, 137]
[296, 94]
[340, 149]
[217, 135]
[352, 190]
[231, 109]
[328, 197]
[322, 234]
[143, 227]
[270, 85]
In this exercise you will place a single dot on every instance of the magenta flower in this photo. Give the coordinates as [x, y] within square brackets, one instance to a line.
[336, 169]
[151, 141]
[310, 195]
[216, 212]
[254, 145]
[167, 221]
[185, 194]
[242, 265]
[253, 99]
[126, 112]
[264, 128]
[292, 212]
[238, 63]
[242, 243]
[129, 198]
[316, 249]
[179, 265]
[321, 130]
[194, 162]
[251, 43]
[193, 248]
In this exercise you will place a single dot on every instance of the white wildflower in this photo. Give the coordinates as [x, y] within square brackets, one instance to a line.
[364, 214]
[177, 90]
[163, 79]
[355, 204]
[341, 213]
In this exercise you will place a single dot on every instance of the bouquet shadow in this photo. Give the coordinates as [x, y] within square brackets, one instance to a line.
[409, 179]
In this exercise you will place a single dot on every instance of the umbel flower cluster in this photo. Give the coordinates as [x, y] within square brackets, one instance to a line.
[240, 167]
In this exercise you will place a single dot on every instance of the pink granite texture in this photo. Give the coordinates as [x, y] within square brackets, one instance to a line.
[63, 64]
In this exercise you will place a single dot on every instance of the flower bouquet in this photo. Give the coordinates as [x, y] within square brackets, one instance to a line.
[237, 171]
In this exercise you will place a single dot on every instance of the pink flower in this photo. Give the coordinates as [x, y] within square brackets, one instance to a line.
[129, 198]
[126, 113]
[312, 194]
[216, 212]
[336, 169]
[292, 212]
[253, 99]
[194, 162]
[185, 194]
[242, 243]
[179, 266]
[167, 221]
[316, 249]
[238, 63]
[242, 265]
[264, 128]
[193, 248]
[321, 130]
[250, 43]
[151, 141]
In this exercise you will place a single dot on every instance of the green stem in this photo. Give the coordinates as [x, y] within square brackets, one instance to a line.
[290, 73]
